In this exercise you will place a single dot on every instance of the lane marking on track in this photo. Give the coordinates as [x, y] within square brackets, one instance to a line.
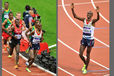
[96, 71]
[66, 71]
[8, 72]
[99, 47]
[99, 13]
[84, 56]
[101, 28]
[83, 3]
[79, 25]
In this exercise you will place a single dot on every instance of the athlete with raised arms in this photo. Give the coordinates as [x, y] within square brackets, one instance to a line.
[88, 35]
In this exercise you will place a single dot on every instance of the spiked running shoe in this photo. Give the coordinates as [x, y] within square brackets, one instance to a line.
[84, 67]
[27, 69]
[84, 71]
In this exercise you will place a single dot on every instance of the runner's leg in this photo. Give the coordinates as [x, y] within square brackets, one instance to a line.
[89, 48]
[31, 58]
[82, 48]
[17, 53]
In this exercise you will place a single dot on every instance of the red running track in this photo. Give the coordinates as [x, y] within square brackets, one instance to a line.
[71, 35]
[9, 63]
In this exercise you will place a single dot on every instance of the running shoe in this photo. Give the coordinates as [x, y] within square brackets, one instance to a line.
[9, 56]
[84, 71]
[27, 69]
[84, 67]
[16, 66]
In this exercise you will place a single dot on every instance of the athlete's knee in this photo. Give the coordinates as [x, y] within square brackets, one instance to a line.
[32, 57]
[81, 48]
[88, 55]
[80, 54]
[5, 41]
[17, 52]
[11, 51]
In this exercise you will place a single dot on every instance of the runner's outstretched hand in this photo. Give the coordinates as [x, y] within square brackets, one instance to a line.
[72, 5]
[97, 9]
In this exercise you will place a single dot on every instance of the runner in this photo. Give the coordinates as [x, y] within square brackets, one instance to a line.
[15, 40]
[31, 30]
[28, 19]
[5, 11]
[36, 38]
[22, 23]
[88, 35]
[27, 8]
[5, 25]
[18, 16]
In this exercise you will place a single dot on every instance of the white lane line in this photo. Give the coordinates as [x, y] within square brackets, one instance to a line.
[66, 71]
[100, 13]
[79, 25]
[52, 46]
[83, 3]
[84, 56]
[8, 72]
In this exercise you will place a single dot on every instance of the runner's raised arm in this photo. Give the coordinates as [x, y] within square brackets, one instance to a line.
[74, 14]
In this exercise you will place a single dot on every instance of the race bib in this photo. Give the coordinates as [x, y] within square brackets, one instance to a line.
[6, 16]
[86, 30]
[18, 36]
[36, 40]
